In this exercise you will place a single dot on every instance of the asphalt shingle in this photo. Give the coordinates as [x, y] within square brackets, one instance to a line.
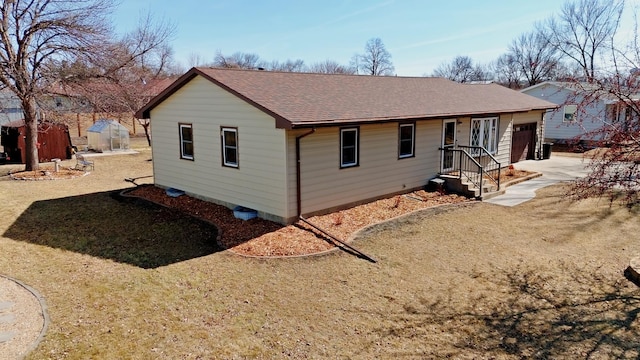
[307, 99]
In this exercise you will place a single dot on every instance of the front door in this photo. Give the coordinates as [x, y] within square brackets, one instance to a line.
[448, 142]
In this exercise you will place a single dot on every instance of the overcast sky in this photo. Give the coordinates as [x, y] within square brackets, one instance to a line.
[419, 34]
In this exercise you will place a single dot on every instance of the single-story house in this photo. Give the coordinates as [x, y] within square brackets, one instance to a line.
[291, 144]
[577, 118]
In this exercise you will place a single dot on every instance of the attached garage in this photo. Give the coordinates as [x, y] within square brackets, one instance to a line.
[523, 142]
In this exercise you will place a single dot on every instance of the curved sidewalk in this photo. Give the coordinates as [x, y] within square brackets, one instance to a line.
[23, 318]
[556, 169]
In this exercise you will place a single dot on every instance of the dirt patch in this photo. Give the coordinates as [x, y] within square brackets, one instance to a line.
[259, 237]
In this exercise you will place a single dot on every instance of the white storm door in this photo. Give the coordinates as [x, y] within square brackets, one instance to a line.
[448, 142]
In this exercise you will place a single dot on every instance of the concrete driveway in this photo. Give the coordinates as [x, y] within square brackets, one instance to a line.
[556, 169]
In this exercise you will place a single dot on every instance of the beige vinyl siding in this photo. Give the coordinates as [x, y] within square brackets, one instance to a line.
[505, 128]
[259, 182]
[380, 172]
[464, 131]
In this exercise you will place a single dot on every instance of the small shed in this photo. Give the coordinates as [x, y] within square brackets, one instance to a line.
[107, 135]
[54, 141]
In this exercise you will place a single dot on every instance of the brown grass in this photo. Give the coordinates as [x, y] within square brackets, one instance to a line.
[541, 280]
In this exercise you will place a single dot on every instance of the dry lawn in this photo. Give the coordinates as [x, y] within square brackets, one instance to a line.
[472, 281]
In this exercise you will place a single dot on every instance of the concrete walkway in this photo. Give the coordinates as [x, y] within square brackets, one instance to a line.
[556, 169]
[23, 318]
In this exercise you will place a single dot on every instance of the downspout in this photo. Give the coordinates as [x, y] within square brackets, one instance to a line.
[540, 142]
[299, 204]
[298, 167]
[344, 245]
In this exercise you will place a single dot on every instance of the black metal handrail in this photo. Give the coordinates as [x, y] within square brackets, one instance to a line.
[475, 164]
[490, 165]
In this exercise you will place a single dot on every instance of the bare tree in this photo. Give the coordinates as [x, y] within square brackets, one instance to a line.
[288, 66]
[615, 167]
[583, 29]
[536, 59]
[507, 72]
[127, 75]
[36, 32]
[195, 60]
[461, 70]
[331, 67]
[238, 60]
[375, 60]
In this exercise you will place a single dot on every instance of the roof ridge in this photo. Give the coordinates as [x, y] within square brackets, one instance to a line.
[205, 68]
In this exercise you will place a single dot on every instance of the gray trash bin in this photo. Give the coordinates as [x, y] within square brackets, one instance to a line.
[546, 150]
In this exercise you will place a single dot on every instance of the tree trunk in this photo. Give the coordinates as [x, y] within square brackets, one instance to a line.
[146, 132]
[31, 135]
[145, 126]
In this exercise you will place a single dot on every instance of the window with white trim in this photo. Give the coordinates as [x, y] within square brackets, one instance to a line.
[570, 113]
[348, 147]
[229, 147]
[406, 140]
[484, 133]
[186, 141]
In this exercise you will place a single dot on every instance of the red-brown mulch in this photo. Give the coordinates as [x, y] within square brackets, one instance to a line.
[259, 237]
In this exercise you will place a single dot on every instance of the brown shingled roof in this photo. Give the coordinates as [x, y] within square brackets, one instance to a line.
[305, 99]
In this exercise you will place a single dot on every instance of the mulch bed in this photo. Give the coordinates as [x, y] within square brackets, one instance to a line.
[48, 173]
[263, 238]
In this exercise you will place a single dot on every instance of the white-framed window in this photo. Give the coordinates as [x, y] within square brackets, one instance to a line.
[349, 147]
[406, 140]
[570, 113]
[186, 141]
[484, 133]
[229, 146]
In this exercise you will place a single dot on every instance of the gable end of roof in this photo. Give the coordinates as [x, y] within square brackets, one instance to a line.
[145, 111]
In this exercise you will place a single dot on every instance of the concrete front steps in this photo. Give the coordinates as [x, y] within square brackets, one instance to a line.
[456, 185]
[452, 183]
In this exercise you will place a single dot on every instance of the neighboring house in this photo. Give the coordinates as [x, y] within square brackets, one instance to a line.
[10, 108]
[576, 118]
[291, 144]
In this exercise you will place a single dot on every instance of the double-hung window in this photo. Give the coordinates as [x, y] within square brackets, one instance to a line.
[229, 146]
[570, 113]
[348, 147]
[186, 141]
[484, 133]
[406, 140]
